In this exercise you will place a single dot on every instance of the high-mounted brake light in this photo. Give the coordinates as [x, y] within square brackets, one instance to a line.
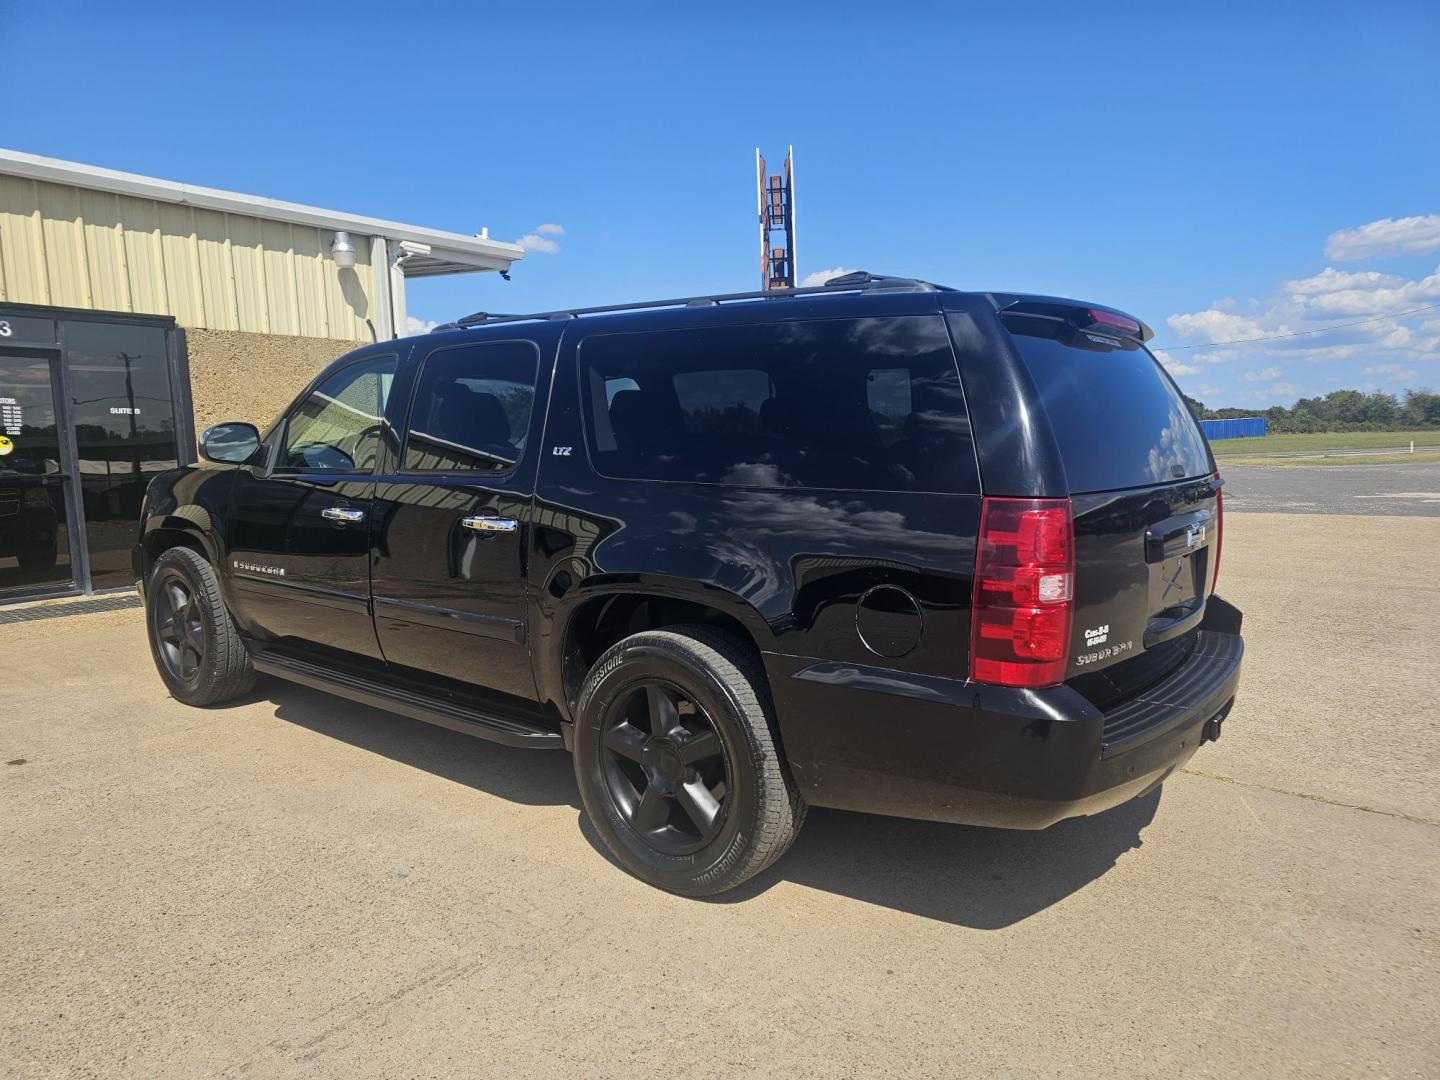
[1024, 598]
[1219, 531]
[1115, 322]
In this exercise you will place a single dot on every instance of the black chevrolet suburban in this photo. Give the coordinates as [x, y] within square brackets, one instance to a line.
[878, 545]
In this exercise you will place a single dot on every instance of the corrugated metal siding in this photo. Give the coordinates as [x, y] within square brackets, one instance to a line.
[72, 247]
[1239, 427]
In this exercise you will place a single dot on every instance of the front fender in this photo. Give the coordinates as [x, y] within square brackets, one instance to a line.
[187, 503]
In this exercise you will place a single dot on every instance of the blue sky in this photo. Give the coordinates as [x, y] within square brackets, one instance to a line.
[1223, 171]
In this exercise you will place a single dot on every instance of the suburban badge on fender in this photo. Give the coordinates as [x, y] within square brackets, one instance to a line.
[260, 568]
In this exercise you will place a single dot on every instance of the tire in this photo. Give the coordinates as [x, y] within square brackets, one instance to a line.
[643, 781]
[196, 648]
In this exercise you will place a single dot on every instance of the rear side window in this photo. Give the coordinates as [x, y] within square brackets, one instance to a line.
[472, 408]
[1118, 420]
[857, 404]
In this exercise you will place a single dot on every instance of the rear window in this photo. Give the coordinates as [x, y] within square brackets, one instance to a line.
[1119, 421]
[857, 404]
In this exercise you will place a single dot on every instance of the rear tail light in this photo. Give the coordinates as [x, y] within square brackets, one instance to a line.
[1219, 531]
[1024, 600]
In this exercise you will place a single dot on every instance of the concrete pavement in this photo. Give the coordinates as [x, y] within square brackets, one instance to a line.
[1399, 489]
[297, 886]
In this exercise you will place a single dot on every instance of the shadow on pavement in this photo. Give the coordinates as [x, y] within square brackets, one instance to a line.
[981, 878]
[530, 777]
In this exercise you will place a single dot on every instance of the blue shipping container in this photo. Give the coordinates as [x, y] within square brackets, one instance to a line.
[1240, 427]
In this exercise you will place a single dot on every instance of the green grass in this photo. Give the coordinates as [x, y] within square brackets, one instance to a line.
[1344, 440]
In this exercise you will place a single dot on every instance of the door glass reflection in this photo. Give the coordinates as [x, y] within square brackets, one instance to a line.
[119, 384]
[34, 540]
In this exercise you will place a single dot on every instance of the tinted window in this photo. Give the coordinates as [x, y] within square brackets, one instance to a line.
[1118, 420]
[124, 433]
[472, 408]
[860, 404]
[338, 424]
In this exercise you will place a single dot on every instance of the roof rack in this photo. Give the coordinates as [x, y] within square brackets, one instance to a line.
[858, 281]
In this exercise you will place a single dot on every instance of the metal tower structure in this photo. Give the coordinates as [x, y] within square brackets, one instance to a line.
[775, 203]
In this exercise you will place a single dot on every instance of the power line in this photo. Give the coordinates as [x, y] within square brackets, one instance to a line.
[1299, 333]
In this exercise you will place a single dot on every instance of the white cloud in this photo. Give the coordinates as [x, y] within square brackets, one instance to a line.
[819, 277]
[1393, 372]
[542, 239]
[1263, 375]
[1213, 324]
[1281, 392]
[1397, 338]
[1337, 293]
[1298, 308]
[419, 326]
[1388, 236]
[533, 242]
[1176, 366]
[1331, 280]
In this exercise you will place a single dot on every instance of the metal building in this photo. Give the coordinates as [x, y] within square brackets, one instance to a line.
[1237, 427]
[135, 310]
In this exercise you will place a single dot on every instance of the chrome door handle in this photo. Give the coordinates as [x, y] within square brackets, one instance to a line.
[344, 515]
[490, 524]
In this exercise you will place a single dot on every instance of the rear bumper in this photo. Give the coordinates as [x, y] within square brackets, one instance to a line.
[886, 742]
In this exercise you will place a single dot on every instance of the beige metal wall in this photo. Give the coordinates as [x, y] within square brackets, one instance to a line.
[73, 247]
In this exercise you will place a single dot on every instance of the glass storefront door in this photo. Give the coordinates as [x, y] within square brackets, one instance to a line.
[87, 418]
[34, 532]
[117, 378]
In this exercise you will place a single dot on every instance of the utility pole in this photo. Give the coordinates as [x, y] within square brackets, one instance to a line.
[775, 203]
[137, 472]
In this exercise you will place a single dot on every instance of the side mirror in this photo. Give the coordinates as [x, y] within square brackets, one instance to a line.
[230, 444]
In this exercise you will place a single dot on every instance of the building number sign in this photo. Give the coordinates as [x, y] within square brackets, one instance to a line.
[5, 329]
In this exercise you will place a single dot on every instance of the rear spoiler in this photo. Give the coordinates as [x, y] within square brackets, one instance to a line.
[1084, 316]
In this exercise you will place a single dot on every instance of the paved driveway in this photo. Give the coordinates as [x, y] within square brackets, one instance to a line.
[297, 886]
[1388, 490]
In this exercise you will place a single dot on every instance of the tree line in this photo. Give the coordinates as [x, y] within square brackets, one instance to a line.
[1341, 410]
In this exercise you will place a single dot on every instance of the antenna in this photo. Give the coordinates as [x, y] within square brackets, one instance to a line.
[775, 206]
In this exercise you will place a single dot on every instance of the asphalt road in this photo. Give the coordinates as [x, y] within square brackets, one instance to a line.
[297, 886]
[1388, 490]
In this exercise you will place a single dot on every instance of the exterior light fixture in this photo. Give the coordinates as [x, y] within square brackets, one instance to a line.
[342, 250]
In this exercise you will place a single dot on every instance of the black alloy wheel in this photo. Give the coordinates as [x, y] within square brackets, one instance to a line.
[196, 646]
[179, 629]
[677, 763]
[665, 767]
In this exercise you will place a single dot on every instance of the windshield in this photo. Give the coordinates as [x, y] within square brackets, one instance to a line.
[1118, 419]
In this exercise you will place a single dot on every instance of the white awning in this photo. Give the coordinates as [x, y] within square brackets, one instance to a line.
[446, 252]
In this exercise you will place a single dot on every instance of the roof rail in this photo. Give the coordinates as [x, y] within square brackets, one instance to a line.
[857, 281]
